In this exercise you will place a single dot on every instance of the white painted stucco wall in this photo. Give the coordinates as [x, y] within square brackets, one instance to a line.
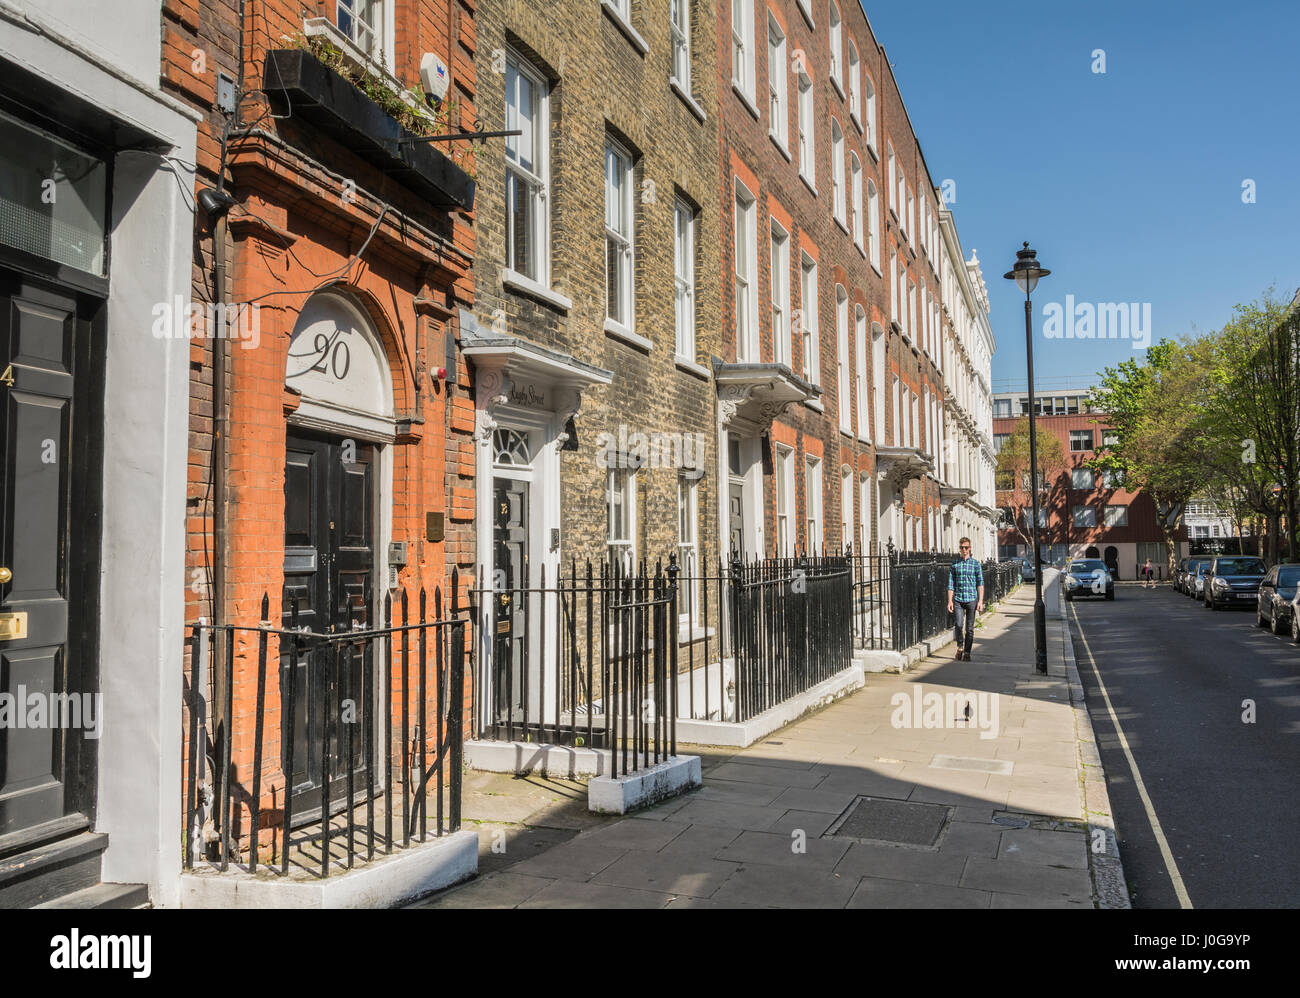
[126, 34]
[145, 424]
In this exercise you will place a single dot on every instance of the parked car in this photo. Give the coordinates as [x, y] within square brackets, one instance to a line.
[1179, 569]
[1274, 607]
[1088, 577]
[1233, 580]
[1194, 580]
[1026, 570]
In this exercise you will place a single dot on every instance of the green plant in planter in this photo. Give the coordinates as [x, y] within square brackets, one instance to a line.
[407, 107]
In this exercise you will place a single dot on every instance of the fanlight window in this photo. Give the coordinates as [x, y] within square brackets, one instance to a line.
[511, 448]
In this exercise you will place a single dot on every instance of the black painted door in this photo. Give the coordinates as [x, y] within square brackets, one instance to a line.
[48, 550]
[328, 562]
[510, 581]
[736, 518]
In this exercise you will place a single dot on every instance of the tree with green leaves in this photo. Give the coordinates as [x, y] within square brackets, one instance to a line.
[1155, 428]
[1255, 384]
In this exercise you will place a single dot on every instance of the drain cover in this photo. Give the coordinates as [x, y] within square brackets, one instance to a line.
[898, 822]
[1010, 821]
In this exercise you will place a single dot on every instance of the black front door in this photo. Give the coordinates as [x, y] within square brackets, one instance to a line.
[51, 390]
[510, 585]
[328, 562]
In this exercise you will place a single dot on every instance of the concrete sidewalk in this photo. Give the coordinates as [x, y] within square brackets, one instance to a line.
[888, 798]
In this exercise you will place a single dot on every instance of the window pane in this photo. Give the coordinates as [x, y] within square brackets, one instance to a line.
[63, 222]
[613, 297]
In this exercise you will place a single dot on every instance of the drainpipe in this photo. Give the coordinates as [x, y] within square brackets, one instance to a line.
[216, 204]
[220, 439]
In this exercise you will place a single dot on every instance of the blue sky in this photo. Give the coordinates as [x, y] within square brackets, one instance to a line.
[1128, 183]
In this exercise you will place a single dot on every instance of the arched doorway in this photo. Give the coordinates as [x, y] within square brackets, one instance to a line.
[1092, 552]
[1112, 560]
[337, 503]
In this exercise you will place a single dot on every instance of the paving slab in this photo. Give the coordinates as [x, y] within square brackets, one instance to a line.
[502, 889]
[575, 860]
[877, 893]
[1012, 877]
[668, 873]
[920, 866]
[772, 886]
[778, 849]
[571, 894]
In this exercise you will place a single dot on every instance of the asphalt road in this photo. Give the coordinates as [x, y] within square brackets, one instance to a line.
[1225, 793]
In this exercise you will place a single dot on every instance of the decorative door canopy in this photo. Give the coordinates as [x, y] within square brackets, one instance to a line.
[751, 396]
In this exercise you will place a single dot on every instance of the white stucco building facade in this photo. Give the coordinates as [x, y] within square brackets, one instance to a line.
[97, 232]
[968, 460]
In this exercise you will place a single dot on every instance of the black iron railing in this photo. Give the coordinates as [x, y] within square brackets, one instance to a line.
[788, 618]
[320, 743]
[588, 660]
[872, 615]
[918, 590]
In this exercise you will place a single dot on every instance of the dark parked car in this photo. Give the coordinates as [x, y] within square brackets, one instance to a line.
[1276, 595]
[1233, 580]
[1026, 570]
[1194, 577]
[1088, 577]
[1177, 577]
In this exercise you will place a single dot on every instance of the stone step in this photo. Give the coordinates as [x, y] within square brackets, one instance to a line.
[52, 870]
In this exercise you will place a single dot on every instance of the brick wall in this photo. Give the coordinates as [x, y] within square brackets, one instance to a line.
[305, 206]
[602, 85]
[806, 212]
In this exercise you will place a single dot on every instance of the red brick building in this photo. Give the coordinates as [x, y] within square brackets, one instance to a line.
[1087, 514]
[341, 251]
[834, 335]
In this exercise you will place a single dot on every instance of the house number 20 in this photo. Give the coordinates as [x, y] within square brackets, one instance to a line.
[339, 358]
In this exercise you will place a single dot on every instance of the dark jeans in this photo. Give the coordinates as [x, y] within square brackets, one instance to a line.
[963, 618]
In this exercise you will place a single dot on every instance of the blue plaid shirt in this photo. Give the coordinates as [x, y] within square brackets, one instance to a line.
[964, 580]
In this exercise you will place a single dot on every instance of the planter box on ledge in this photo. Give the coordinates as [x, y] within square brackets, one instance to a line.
[301, 85]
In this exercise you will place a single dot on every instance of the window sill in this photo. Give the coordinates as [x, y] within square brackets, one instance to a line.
[837, 84]
[526, 285]
[876, 267]
[866, 439]
[747, 101]
[871, 148]
[853, 117]
[860, 248]
[781, 147]
[842, 224]
[621, 332]
[807, 14]
[687, 99]
[687, 634]
[690, 367]
[815, 404]
[327, 29]
[847, 431]
[632, 34]
[808, 183]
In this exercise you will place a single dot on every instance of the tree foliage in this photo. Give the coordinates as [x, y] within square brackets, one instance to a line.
[1216, 416]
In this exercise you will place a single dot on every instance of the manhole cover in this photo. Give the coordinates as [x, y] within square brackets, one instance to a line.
[898, 822]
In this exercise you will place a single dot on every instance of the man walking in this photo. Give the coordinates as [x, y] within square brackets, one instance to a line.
[965, 598]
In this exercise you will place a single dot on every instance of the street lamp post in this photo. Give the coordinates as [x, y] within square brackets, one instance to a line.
[1026, 274]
